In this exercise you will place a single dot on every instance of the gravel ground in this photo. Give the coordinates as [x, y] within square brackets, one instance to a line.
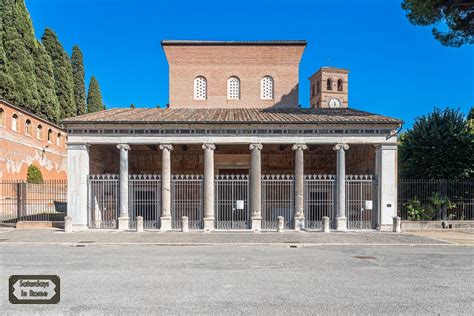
[246, 279]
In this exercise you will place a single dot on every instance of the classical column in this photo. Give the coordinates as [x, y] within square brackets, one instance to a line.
[165, 218]
[386, 171]
[123, 217]
[299, 185]
[78, 171]
[209, 215]
[341, 219]
[256, 187]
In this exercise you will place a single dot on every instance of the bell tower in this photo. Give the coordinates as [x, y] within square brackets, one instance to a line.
[329, 88]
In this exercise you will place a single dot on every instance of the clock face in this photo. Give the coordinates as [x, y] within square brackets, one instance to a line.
[334, 103]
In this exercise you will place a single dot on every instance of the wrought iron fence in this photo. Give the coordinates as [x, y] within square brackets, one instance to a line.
[187, 200]
[360, 201]
[144, 200]
[421, 199]
[278, 199]
[103, 201]
[231, 201]
[319, 195]
[22, 201]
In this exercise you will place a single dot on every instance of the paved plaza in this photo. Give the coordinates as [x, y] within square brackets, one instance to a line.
[383, 273]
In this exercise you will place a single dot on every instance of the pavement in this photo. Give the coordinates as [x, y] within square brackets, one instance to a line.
[57, 236]
[254, 279]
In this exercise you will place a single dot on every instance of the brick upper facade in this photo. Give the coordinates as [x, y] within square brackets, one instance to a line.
[26, 139]
[250, 62]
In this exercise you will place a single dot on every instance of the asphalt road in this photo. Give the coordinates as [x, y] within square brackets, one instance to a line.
[236, 279]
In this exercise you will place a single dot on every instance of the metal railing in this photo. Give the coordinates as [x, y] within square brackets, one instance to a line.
[187, 200]
[144, 199]
[103, 201]
[421, 199]
[231, 201]
[319, 195]
[22, 201]
[278, 199]
[360, 201]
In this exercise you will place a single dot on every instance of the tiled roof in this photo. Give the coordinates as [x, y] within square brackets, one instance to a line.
[237, 116]
[198, 42]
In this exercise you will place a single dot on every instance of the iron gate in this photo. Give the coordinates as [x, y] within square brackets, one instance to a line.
[278, 199]
[103, 201]
[360, 201]
[186, 200]
[231, 201]
[144, 196]
[319, 195]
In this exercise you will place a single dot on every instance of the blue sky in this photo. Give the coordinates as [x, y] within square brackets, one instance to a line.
[396, 69]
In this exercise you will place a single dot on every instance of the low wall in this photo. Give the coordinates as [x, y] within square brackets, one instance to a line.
[421, 225]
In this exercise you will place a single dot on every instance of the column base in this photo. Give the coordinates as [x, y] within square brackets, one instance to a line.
[256, 224]
[299, 223]
[122, 223]
[209, 224]
[341, 223]
[165, 223]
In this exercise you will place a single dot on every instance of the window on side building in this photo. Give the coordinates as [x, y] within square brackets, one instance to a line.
[200, 88]
[339, 85]
[28, 127]
[2, 117]
[50, 136]
[233, 88]
[329, 84]
[39, 132]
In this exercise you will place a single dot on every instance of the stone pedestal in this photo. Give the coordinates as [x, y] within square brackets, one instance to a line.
[68, 224]
[299, 222]
[397, 224]
[325, 224]
[165, 223]
[256, 224]
[341, 223]
[281, 224]
[184, 224]
[209, 223]
[139, 227]
[122, 223]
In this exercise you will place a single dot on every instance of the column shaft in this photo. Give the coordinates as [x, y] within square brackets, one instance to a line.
[165, 217]
[299, 185]
[123, 218]
[341, 220]
[256, 187]
[209, 215]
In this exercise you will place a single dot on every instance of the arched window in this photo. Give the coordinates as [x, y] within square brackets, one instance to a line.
[313, 93]
[58, 139]
[15, 126]
[39, 132]
[200, 88]
[318, 86]
[233, 88]
[339, 85]
[266, 88]
[50, 136]
[2, 117]
[28, 127]
[329, 84]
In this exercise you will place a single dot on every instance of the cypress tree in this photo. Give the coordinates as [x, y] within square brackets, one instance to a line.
[79, 85]
[94, 97]
[49, 108]
[18, 46]
[62, 69]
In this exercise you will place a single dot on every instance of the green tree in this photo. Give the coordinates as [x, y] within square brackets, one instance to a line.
[470, 119]
[438, 146]
[18, 83]
[94, 97]
[132, 106]
[33, 175]
[79, 84]
[63, 77]
[49, 108]
[458, 16]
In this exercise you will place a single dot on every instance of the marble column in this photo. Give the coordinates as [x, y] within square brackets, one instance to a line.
[256, 187]
[341, 219]
[299, 185]
[209, 215]
[165, 218]
[123, 217]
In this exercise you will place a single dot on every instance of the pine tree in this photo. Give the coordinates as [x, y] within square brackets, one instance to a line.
[49, 108]
[62, 69]
[18, 83]
[79, 84]
[94, 97]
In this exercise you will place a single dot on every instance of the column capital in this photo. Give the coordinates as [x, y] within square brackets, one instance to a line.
[299, 147]
[123, 146]
[255, 146]
[208, 146]
[167, 147]
[341, 146]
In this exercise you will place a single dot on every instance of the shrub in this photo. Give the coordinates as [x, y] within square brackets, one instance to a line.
[34, 175]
